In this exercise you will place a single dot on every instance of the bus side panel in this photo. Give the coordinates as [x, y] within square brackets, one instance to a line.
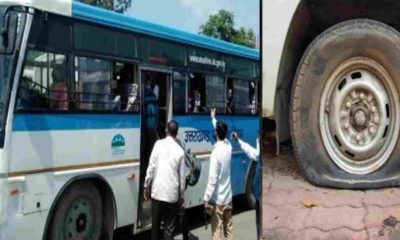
[277, 16]
[49, 150]
[23, 209]
[196, 132]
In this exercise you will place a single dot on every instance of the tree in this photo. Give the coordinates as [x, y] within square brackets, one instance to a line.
[119, 6]
[244, 37]
[221, 26]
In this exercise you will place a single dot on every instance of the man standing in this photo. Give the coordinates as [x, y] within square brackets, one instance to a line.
[165, 177]
[254, 154]
[219, 192]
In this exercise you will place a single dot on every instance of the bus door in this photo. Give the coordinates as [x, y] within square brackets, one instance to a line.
[156, 95]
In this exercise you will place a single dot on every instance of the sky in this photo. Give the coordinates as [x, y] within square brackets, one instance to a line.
[188, 15]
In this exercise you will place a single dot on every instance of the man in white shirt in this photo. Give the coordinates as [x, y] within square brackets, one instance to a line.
[219, 190]
[254, 154]
[165, 176]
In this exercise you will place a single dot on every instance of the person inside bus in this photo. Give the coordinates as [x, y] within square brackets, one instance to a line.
[58, 89]
[132, 103]
[254, 154]
[195, 105]
[116, 101]
[164, 182]
[230, 104]
[25, 98]
[252, 98]
[218, 194]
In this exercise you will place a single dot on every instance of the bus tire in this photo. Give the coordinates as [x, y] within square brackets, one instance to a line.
[249, 199]
[78, 214]
[345, 107]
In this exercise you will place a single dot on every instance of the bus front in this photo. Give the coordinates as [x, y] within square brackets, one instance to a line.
[13, 37]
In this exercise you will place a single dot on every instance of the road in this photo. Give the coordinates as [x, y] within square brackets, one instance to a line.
[293, 209]
[243, 224]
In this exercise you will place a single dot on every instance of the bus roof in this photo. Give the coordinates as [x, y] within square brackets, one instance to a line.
[101, 16]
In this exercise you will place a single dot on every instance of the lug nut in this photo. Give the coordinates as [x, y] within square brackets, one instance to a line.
[354, 94]
[346, 125]
[343, 114]
[370, 97]
[362, 96]
[372, 130]
[376, 118]
[348, 104]
[358, 137]
[373, 109]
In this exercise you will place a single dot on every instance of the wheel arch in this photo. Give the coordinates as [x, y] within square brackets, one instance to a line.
[105, 190]
[311, 18]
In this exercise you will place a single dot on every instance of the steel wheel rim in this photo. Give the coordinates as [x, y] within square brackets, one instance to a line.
[358, 113]
[79, 222]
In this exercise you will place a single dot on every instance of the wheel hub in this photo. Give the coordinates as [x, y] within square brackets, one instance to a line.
[79, 221]
[358, 116]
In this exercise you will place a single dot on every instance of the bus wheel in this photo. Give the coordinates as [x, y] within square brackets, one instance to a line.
[345, 106]
[78, 214]
[249, 199]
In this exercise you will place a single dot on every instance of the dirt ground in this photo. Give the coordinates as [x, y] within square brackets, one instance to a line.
[294, 209]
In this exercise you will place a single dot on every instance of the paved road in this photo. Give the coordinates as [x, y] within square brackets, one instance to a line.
[243, 223]
[337, 214]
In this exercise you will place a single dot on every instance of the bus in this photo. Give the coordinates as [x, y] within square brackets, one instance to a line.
[331, 84]
[73, 144]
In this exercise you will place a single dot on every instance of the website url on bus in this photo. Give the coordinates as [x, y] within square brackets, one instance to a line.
[207, 61]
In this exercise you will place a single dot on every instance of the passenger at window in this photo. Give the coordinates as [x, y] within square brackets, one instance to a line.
[195, 102]
[230, 104]
[132, 99]
[116, 102]
[156, 90]
[24, 95]
[58, 90]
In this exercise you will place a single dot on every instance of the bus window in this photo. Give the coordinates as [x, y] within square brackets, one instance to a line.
[245, 96]
[197, 94]
[215, 86]
[43, 84]
[93, 84]
[179, 104]
[125, 88]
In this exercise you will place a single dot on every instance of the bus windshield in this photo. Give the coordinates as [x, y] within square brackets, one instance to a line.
[12, 21]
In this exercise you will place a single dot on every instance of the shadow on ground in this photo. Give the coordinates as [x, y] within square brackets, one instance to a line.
[197, 221]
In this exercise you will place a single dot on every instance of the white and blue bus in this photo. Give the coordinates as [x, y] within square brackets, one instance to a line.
[73, 144]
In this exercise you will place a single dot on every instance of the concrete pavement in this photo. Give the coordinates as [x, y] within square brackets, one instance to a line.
[243, 226]
[293, 209]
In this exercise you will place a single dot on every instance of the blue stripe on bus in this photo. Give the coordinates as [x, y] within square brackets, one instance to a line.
[46, 122]
[43, 122]
[101, 16]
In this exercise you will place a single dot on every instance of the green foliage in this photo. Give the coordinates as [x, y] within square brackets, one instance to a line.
[119, 6]
[221, 26]
[122, 5]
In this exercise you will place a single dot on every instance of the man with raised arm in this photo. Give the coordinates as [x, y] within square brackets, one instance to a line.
[218, 193]
[165, 179]
[254, 154]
